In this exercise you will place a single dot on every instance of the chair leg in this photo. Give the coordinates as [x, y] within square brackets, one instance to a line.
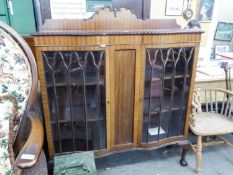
[198, 154]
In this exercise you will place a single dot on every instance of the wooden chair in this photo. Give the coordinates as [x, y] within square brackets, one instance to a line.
[215, 119]
[18, 89]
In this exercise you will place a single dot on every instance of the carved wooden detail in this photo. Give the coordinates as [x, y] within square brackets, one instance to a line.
[126, 111]
[110, 22]
[105, 18]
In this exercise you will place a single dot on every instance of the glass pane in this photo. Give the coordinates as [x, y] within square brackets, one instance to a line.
[174, 123]
[78, 110]
[66, 137]
[55, 137]
[166, 90]
[75, 83]
[151, 129]
[81, 134]
[178, 91]
[182, 122]
[63, 107]
[164, 125]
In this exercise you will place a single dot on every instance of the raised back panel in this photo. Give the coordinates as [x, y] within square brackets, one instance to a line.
[106, 19]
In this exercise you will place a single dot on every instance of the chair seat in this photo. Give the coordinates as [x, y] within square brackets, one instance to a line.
[211, 124]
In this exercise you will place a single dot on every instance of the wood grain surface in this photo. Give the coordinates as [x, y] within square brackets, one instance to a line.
[124, 76]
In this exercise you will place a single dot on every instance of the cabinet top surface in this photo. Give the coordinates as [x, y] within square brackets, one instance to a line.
[116, 32]
[112, 22]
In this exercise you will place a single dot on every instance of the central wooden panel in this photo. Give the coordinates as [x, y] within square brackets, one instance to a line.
[124, 80]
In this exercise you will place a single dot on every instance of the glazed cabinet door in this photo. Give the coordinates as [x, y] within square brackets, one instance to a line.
[124, 82]
[73, 83]
[166, 82]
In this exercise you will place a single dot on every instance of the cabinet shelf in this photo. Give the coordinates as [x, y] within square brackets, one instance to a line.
[157, 111]
[167, 78]
[176, 76]
[76, 122]
[89, 83]
[154, 97]
[155, 100]
[78, 115]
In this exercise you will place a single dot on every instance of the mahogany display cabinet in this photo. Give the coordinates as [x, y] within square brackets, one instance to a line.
[115, 82]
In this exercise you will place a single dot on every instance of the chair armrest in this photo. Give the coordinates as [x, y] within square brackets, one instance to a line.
[196, 107]
[30, 152]
[193, 115]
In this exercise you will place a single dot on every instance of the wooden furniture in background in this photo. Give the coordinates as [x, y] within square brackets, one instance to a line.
[30, 42]
[214, 119]
[215, 74]
[226, 55]
[24, 105]
[115, 82]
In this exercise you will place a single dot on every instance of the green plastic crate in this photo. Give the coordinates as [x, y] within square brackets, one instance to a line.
[75, 164]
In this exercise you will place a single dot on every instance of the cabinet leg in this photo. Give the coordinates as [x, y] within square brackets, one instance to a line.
[185, 147]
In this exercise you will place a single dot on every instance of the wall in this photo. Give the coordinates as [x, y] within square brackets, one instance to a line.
[222, 12]
[158, 11]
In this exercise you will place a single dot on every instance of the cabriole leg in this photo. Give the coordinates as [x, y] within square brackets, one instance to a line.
[185, 146]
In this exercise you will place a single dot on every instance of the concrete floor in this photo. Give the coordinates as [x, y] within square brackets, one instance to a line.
[217, 160]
